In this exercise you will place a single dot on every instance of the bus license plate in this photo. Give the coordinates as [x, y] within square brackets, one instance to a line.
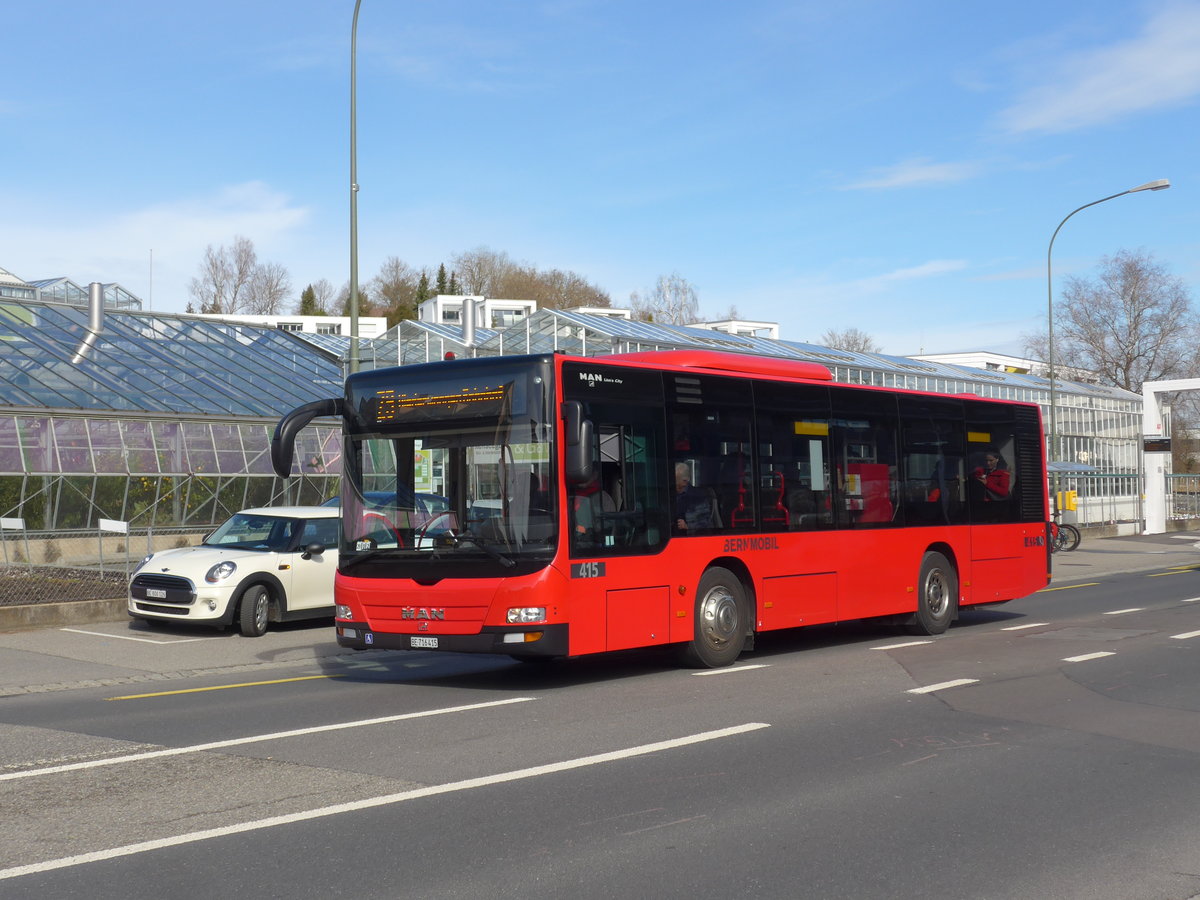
[156, 593]
[428, 642]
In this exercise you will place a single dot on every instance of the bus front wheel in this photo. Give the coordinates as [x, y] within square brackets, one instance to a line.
[720, 621]
[937, 595]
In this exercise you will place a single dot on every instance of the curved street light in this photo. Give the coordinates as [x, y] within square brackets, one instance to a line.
[1159, 185]
[353, 361]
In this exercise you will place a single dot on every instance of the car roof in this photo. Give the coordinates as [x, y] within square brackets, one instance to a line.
[293, 512]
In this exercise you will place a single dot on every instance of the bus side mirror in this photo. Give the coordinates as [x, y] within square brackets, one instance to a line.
[283, 441]
[577, 438]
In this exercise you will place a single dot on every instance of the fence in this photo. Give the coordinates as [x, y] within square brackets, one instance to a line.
[1183, 496]
[85, 564]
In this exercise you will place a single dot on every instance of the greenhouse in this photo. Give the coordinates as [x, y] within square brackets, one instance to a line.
[164, 420]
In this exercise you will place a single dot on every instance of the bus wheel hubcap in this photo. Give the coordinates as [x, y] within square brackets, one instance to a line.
[936, 595]
[718, 617]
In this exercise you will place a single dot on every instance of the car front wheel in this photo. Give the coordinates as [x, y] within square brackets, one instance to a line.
[254, 611]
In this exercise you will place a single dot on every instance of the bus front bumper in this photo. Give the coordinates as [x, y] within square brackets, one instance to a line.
[513, 640]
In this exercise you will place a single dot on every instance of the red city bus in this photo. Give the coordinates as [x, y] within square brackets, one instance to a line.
[689, 497]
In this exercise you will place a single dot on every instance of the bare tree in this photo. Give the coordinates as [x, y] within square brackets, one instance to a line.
[323, 296]
[225, 274]
[395, 290]
[851, 339]
[672, 301]
[492, 273]
[1133, 323]
[481, 271]
[269, 286]
[231, 280]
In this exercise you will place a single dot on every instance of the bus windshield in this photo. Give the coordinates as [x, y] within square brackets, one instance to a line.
[438, 471]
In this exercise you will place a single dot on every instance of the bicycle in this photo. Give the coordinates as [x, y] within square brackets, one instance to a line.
[1063, 537]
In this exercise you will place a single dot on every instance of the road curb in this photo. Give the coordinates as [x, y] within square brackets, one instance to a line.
[50, 615]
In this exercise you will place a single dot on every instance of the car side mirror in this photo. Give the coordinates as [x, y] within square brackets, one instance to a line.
[316, 548]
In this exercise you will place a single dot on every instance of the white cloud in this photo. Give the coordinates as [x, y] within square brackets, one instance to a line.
[116, 246]
[1158, 68]
[930, 269]
[916, 172]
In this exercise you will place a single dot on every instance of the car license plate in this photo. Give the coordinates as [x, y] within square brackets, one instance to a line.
[428, 642]
[156, 593]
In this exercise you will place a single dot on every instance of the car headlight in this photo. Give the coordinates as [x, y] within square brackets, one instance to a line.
[145, 559]
[522, 615]
[220, 572]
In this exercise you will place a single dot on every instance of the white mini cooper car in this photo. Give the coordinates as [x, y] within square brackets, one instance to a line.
[263, 565]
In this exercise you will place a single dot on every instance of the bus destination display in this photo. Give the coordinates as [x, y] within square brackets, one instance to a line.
[390, 405]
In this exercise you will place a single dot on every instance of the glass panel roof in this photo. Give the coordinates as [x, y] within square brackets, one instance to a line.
[155, 362]
[147, 362]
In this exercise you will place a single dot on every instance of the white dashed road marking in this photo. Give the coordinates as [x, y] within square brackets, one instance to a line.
[1088, 656]
[930, 688]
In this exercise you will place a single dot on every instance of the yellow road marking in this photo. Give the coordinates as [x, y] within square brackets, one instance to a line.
[223, 687]
[1067, 587]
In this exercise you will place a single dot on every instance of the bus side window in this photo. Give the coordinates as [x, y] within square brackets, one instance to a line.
[1004, 481]
[793, 457]
[624, 509]
[867, 480]
[934, 468]
[713, 442]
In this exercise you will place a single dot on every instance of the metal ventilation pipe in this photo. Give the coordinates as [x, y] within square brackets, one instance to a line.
[95, 322]
[468, 321]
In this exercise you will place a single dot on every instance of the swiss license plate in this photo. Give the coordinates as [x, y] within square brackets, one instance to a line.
[427, 642]
[156, 593]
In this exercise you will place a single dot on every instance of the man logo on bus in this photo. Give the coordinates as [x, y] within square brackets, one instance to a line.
[413, 612]
[594, 378]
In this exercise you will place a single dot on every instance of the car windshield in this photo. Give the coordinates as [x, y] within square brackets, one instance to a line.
[249, 531]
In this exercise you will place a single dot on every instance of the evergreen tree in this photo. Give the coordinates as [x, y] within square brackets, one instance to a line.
[423, 289]
[308, 302]
[442, 287]
[453, 287]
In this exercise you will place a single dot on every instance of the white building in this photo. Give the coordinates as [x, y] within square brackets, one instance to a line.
[368, 326]
[490, 312]
[741, 327]
[999, 362]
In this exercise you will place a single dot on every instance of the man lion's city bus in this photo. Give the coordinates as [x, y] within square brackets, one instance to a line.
[548, 505]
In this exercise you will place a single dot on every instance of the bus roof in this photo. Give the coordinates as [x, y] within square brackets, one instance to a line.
[718, 361]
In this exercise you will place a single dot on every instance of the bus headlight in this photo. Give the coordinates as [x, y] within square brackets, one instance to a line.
[523, 615]
[342, 612]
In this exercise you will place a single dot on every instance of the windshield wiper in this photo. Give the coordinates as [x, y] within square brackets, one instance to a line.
[478, 542]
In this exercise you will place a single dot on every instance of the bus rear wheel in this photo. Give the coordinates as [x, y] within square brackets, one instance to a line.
[720, 621]
[937, 595]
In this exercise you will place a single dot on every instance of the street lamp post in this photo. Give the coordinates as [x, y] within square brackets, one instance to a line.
[1053, 448]
[353, 362]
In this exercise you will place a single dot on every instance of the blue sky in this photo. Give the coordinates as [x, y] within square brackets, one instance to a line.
[894, 167]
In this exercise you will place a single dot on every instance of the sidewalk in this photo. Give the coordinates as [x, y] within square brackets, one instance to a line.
[1098, 557]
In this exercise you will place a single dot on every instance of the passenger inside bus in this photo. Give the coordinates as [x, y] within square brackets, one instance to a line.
[695, 507]
[993, 477]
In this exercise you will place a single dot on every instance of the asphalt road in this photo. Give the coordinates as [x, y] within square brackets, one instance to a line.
[1048, 748]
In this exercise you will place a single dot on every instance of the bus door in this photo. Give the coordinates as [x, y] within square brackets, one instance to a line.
[617, 519]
